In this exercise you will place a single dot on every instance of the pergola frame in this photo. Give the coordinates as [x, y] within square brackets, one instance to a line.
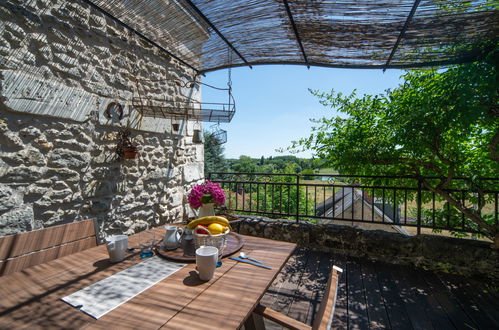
[140, 35]
[353, 34]
[200, 13]
[402, 32]
[295, 30]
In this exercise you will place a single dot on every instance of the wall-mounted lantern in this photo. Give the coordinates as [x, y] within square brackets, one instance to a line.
[197, 136]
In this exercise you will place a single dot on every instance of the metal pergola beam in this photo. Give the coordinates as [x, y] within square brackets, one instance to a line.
[140, 35]
[210, 24]
[402, 32]
[295, 30]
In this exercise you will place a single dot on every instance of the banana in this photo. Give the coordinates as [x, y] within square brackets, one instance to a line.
[207, 221]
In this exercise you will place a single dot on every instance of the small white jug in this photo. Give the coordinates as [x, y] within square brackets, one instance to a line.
[172, 237]
[116, 247]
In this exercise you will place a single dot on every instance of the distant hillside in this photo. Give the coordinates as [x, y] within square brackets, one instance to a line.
[276, 164]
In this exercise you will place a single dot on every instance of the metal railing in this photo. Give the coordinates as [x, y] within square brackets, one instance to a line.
[389, 200]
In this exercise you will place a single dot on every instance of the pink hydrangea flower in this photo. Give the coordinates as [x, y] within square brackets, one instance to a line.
[208, 192]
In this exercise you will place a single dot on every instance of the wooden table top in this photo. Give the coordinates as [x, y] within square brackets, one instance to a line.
[31, 298]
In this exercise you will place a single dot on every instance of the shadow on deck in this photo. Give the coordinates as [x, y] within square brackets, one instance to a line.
[373, 295]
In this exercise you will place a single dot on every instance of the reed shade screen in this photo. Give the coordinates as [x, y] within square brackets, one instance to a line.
[349, 34]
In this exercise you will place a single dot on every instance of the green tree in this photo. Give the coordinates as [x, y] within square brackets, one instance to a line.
[278, 196]
[245, 164]
[441, 123]
[214, 159]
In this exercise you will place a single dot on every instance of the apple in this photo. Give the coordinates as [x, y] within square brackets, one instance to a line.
[201, 230]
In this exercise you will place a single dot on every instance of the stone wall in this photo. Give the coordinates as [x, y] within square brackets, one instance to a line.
[61, 64]
[461, 256]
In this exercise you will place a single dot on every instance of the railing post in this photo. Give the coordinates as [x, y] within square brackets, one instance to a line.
[419, 203]
[209, 176]
[297, 197]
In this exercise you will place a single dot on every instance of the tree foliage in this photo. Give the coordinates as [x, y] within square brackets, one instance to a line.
[273, 164]
[245, 164]
[441, 123]
[214, 159]
[273, 195]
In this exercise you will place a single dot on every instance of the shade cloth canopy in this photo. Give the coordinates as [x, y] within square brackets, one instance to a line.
[213, 34]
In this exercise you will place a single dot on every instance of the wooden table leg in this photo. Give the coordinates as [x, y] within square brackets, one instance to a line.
[254, 322]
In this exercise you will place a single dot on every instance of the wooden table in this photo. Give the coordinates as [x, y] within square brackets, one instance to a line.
[31, 299]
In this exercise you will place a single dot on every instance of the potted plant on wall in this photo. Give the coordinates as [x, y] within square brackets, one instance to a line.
[125, 147]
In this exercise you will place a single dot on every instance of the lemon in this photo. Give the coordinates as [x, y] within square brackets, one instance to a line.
[216, 228]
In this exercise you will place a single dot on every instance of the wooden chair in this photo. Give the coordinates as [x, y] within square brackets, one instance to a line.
[324, 317]
[23, 250]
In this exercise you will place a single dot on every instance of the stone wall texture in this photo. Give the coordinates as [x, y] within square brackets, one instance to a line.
[460, 256]
[61, 64]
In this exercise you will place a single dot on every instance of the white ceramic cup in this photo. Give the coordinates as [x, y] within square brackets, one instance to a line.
[116, 247]
[206, 262]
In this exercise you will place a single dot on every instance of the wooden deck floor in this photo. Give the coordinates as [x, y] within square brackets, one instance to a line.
[376, 295]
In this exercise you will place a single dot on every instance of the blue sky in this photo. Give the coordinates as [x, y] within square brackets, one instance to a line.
[273, 104]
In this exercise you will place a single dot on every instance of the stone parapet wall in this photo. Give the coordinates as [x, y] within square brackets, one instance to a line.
[467, 257]
[61, 64]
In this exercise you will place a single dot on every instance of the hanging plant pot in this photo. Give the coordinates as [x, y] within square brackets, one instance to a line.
[125, 147]
[130, 152]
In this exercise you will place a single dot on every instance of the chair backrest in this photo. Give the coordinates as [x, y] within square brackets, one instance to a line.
[23, 250]
[324, 316]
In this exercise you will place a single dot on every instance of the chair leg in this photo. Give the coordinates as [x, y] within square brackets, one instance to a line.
[254, 322]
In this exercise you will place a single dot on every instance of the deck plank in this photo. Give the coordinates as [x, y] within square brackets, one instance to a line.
[487, 294]
[376, 311]
[282, 291]
[414, 302]
[445, 298]
[287, 291]
[357, 304]
[373, 295]
[271, 295]
[340, 318]
[323, 271]
[393, 302]
[434, 310]
[300, 306]
[290, 280]
[470, 301]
